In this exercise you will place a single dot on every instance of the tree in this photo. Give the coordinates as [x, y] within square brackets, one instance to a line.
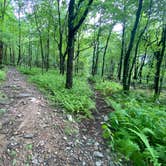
[159, 54]
[126, 86]
[72, 29]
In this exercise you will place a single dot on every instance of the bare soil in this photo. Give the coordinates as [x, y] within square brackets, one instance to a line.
[33, 133]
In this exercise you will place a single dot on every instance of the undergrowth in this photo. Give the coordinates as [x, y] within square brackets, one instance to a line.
[76, 100]
[137, 127]
[2, 75]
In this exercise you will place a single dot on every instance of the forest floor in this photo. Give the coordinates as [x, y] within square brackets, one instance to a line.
[32, 132]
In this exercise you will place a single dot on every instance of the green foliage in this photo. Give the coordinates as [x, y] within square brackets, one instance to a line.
[137, 128]
[76, 100]
[108, 87]
[33, 71]
[2, 75]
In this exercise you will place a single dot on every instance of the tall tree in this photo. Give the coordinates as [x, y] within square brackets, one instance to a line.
[126, 86]
[73, 10]
[159, 57]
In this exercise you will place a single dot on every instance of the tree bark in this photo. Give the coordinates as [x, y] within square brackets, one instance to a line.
[159, 57]
[127, 55]
[72, 29]
[19, 38]
[69, 74]
[123, 46]
[1, 52]
[105, 50]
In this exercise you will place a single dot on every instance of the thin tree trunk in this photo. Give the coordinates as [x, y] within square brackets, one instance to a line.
[142, 65]
[105, 50]
[19, 39]
[48, 50]
[126, 86]
[1, 52]
[159, 56]
[41, 42]
[123, 47]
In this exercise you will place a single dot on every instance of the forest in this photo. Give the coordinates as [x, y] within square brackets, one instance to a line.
[101, 63]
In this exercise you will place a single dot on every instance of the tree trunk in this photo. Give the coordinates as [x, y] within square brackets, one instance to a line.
[142, 65]
[19, 39]
[105, 50]
[159, 56]
[1, 53]
[30, 53]
[97, 52]
[93, 58]
[70, 44]
[123, 47]
[71, 34]
[48, 50]
[126, 86]
[5, 55]
[60, 43]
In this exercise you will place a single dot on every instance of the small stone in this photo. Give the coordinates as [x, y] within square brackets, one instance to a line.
[24, 95]
[41, 143]
[106, 118]
[98, 154]
[35, 160]
[19, 115]
[12, 145]
[70, 118]
[28, 136]
[96, 145]
[83, 163]
[16, 79]
[99, 163]
[65, 138]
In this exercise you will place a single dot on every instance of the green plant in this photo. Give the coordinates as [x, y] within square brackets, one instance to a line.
[137, 128]
[107, 87]
[2, 75]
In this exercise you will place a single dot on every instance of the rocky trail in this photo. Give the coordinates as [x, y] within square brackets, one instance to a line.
[33, 133]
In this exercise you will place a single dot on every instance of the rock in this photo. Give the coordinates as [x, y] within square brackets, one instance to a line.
[16, 79]
[24, 95]
[35, 160]
[19, 115]
[106, 118]
[98, 154]
[12, 145]
[99, 163]
[96, 145]
[83, 163]
[28, 136]
[41, 143]
[70, 118]
[65, 138]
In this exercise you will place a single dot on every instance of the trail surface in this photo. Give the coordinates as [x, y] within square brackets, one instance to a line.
[32, 133]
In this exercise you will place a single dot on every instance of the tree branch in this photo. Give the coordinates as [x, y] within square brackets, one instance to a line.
[76, 27]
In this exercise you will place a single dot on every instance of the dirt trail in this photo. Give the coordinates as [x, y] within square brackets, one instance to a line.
[32, 133]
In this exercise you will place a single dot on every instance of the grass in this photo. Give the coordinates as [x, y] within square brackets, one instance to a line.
[137, 127]
[76, 100]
